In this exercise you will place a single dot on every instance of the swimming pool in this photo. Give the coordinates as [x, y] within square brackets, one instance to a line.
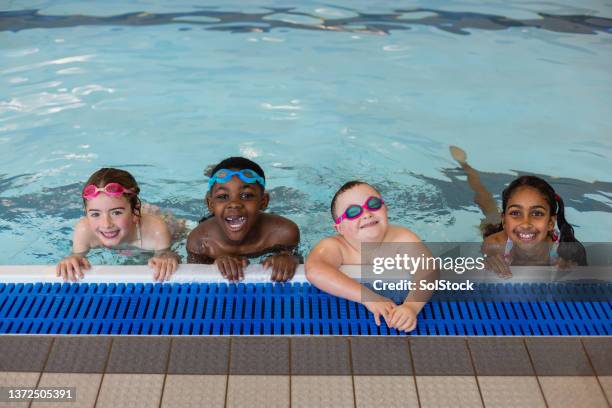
[316, 93]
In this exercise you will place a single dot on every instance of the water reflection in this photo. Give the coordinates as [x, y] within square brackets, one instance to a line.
[433, 196]
[374, 23]
[576, 193]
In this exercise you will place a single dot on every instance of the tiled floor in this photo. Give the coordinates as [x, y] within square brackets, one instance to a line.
[117, 372]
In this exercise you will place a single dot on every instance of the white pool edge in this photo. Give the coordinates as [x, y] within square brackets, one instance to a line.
[188, 273]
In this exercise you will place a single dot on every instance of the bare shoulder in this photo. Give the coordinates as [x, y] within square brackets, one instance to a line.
[279, 230]
[155, 232]
[332, 243]
[81, 227]
[497, 238]
[201, 239]
[397, 233]
[495, 244]
[330, 250]
[152, 225]
[84, 238]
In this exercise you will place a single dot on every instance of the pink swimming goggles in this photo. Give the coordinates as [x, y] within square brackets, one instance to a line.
[355, 211]
[111, 190]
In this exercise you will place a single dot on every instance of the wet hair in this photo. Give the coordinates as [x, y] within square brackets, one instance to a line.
[569, 247]
[110, 175]
[345, 187]
[239, 163]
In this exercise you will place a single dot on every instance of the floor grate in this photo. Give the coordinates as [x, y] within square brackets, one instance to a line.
[294, 309]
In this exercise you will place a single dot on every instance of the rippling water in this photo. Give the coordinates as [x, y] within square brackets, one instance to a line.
[317, 94]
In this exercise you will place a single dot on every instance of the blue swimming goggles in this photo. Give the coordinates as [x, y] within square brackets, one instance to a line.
[246, 175]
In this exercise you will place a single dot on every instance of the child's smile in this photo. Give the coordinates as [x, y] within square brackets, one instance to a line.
[368, 223]
[110, 218]
[527, 219]
[236, 206]
[526, 236]
[110, 234]
[236, 222]
[371, 226]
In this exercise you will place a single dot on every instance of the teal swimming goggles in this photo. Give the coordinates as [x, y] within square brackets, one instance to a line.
[246, 175]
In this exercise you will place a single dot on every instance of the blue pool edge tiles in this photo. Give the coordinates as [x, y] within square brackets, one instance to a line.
[258, 307]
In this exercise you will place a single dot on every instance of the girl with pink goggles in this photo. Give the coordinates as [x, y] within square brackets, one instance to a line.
[111, 189]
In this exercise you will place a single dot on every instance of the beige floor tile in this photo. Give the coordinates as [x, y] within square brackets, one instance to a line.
[311, 391]
[511, 392]
[17, 379]
[385, 391]
[254, 391]
[86, 387]
[606, 384]
[448, 391]
[194, 391]
[130, 390]
[572, 392]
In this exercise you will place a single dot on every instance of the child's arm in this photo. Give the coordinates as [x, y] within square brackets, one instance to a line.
[404, 317]
[164, 261]
[196, 250]
[323, 271]
[197, 258]
[231, 267]
[71, 267]
[284, 261]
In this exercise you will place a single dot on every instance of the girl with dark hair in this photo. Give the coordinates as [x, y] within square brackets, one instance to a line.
[115, 218]
[525, 234]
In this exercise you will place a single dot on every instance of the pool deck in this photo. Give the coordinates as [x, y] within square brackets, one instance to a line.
[234, 371]
[301, 371]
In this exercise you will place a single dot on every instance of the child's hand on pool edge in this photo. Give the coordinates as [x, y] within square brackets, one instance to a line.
[232, 267]
[403, 317]
[564, 265]
[71, 268]
[283, 266]
[164, 265]
[497, 264]
[380, 306]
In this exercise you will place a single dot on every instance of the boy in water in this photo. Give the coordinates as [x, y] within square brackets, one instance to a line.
[238, 228]
[360, 216]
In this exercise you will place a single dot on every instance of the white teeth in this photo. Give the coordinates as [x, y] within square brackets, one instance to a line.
[109, 234]
[526, 236]
[369, 224]
[235, 223]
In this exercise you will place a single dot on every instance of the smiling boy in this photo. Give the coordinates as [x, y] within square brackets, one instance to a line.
[238, 228]
[360, 216]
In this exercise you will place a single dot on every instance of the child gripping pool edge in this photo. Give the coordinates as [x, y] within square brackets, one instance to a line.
[355, 226]
[238, 228]
[524, 231]
[116, 219]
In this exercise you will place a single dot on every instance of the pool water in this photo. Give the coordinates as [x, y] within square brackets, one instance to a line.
[318, 93]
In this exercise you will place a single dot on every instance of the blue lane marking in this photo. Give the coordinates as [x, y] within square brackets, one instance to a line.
[277, 309]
